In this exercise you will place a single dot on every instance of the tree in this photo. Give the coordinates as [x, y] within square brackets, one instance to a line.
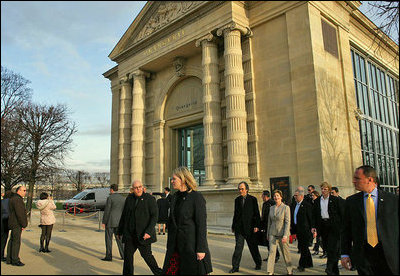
[49, 137]
[78, 178]
[386, 13]
[14, 93]
[102, 178]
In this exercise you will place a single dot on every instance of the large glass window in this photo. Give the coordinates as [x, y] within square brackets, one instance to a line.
[191, 152]
[377, 93]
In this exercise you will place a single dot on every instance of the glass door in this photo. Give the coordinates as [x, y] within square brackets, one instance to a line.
[191, 151]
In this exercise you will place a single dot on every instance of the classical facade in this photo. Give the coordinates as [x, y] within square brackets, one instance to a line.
[275, 93]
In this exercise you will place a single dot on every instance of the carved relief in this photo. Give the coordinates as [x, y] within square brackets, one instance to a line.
[166, 13]
[179, 65]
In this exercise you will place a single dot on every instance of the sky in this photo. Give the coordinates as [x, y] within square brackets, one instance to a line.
[63, 48]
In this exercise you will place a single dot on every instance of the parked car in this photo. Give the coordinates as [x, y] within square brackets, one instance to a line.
[88, 200]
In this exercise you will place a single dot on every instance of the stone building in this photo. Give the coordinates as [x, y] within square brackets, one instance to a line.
[276, 93]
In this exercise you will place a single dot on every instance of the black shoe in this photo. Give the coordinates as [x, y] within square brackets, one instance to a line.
[300, 268]
[233, 270]
[42, 249]
[18, 264]
[3, 259]
[163, 233]
[159, 233]
[258, 267]
[107, 259]
[47, 251]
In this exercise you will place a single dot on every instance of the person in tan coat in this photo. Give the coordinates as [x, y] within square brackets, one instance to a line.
[278, 232]
[47, 219]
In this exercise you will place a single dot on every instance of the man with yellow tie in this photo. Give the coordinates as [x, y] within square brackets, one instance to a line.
[370, 232]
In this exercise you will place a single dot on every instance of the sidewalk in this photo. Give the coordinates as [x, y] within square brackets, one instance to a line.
[78, 251]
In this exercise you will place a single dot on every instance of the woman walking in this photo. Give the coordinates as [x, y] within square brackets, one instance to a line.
[47, 219]
[278, 232]
[187, 247]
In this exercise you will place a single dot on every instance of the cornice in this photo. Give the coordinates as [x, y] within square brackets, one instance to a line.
[192, 15]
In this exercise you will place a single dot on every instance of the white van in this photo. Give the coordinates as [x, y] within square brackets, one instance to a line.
[91, 199]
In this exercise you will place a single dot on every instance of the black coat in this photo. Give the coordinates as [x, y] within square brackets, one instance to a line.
[17, 212]
[265, 214]
[145, 218]
[188, 234]
[304, 220]
[354, 223]
[246, 217]
[334, 211]
[163, 207]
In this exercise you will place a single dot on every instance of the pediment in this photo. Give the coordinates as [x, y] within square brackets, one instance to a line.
[154, 17]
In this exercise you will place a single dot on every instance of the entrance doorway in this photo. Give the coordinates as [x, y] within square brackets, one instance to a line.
[191, 151]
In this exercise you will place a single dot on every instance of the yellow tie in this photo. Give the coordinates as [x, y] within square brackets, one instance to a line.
[372, 235]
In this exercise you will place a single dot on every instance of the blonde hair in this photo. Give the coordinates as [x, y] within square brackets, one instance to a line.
[327, 185]
[186, 177]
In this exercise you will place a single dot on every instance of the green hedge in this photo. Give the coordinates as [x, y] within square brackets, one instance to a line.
[58, 205]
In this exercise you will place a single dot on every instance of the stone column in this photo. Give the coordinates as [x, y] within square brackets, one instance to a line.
[114, 155]
[137, 169]
[236, 115]
[158, 128]
[213, 160]
[124, 149]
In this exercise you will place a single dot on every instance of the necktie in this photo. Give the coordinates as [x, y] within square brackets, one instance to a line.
[372, 235]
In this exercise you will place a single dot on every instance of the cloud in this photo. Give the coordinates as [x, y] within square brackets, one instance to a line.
[100, 130]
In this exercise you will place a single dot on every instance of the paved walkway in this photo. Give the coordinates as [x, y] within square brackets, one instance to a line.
[78, 251]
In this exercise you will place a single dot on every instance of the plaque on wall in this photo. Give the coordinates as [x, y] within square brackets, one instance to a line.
[282, 184]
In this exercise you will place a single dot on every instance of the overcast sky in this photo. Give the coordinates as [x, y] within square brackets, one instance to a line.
[63, 48]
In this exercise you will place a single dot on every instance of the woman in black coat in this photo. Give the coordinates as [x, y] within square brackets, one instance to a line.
[187, 247]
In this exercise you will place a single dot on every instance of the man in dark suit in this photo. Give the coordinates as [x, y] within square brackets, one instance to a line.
[137, 227]
[167, 192]
[301, 223]
[370, 232]
[268, 202]
[327, 222]
[112, 214]
[246, 222]
[17, 221]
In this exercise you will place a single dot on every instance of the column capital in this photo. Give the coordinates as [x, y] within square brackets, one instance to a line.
[208, 37]
[159, 123]
[244, 30]
[140, 73]
[124, 80]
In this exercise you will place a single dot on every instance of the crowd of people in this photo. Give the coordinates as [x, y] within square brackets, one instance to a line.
[361, 232]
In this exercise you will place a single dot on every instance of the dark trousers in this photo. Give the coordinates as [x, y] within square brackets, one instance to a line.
[145, 251]
[4, 235]
[375, 261]
[303, 240]
[14, 245]
[110, 231]
[46, 235]
[331, 240]
[253, 247]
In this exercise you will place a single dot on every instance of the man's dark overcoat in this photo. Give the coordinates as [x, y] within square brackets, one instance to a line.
[145, 218]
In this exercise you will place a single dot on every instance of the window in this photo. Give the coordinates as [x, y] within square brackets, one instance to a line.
[377, 94]
[191, 152]
[89, 196]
